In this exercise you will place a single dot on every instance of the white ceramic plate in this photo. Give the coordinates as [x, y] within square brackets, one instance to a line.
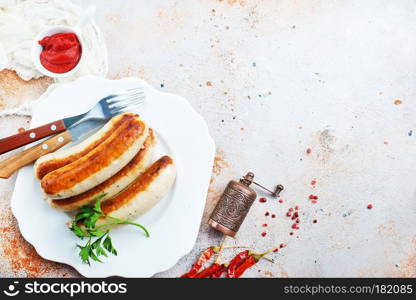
[173, 223]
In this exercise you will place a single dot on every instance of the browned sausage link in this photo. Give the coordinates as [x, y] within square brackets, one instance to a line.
[52, 165]
[140, 184]
[102, 156]
[150, 140]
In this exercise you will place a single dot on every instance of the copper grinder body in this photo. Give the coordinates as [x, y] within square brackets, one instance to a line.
[233, 207]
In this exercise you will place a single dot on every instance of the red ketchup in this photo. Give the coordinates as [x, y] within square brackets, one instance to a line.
[61, 52]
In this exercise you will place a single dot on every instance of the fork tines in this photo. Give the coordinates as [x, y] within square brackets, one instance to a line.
[130, 100]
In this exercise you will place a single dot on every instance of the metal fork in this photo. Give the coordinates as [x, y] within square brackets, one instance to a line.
[110, 106]
[103, 110]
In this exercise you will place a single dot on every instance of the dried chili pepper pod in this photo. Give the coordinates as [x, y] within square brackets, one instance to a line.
[218, 273]
[251, 261]
[236, 262]
[234, 204]
[209, 271]
[247, 261]
[200, 262]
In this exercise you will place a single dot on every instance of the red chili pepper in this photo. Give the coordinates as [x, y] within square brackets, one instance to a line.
[251, 261]
[236, 261]
[200, 262]
[209, 271]
[219, 272]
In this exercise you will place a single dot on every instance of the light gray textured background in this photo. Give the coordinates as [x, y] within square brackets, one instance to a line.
[273, 78]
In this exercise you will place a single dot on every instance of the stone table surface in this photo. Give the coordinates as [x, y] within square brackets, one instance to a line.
[273, 79]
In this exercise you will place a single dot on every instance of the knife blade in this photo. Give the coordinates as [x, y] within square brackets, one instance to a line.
[85, 128]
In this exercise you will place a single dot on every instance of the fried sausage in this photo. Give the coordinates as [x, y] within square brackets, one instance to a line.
[144, 193]
[115, 184]
[98, 165]
[53, 161]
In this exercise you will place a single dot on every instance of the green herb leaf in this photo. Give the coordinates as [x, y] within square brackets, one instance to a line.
[78, 231]
[81, 216]
[88, 216]
[90, 221]
[88, 210]
[101, 252]
[97, 205]
[84, 252]
[97, 233]
[97, 243]
[94, 256]
[108, 245]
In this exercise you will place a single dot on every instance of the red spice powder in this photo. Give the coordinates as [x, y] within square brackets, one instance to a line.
[21, 256]
[273, 216]
[369, 206]
[264, 225]
[313, 197]
[308, 151]
[313, 182]
[263, 234]
[282, 245]
[280, 200]
[288, 214]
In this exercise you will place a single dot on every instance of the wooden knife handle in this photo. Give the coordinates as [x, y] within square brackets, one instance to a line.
[21, 159]
[31, 135]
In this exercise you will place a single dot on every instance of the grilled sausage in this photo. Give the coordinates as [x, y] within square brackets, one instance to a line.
[98, 165]
[144, 193]
[53, 161]
[115, 184]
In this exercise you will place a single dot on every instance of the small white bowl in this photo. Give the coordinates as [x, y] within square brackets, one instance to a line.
[37, 49]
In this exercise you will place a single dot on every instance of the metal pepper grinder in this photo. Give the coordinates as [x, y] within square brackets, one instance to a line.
[234, 204]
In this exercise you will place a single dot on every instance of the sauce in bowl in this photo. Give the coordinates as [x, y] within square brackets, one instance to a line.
[61, 52]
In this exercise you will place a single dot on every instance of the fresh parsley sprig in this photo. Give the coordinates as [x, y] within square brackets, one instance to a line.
[99, 242]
